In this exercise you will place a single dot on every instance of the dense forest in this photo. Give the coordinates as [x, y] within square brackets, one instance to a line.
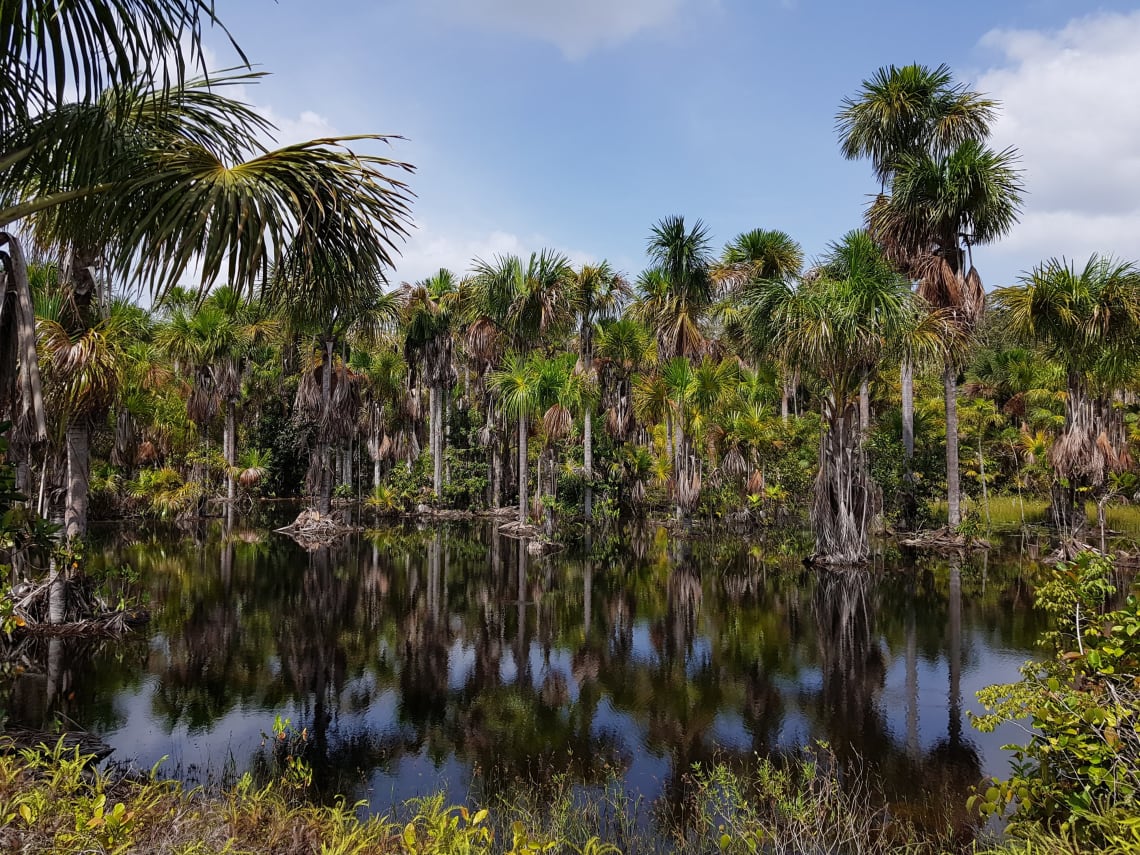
[860, 390]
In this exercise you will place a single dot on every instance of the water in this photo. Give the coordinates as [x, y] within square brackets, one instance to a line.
[442, 657]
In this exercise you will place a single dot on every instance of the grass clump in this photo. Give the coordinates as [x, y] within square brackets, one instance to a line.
[53, 801]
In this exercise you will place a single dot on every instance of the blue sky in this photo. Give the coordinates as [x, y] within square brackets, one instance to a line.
[576, 125]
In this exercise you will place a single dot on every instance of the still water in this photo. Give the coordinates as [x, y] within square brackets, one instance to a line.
[444, 657]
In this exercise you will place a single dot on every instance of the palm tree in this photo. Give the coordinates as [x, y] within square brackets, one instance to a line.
[1087, 320]
[518, 385]
[242, 327]
[382, 371]
[675, 296]
[938, 209]
[429, 351]
[908, 110]
[677, 292]
[148, 181]
[597, 292]
[212, 342]
[624, 347]
[757, 255]
[86, 364]
[518, 305]
[841, 325]
[912, 111]
[322, 295]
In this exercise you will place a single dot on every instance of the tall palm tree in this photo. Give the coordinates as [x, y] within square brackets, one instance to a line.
[243, 326]
[940, 206]
[382, 370]
[757, 255]
[518, 384]
[624, 347]
[675, 296]
[323, 296]
[841, 325]
[148, 181]
[677, 292]
[212, 342]
[47, 51]
[428, 315]
[597, 293]
[913, 110]
[518, 306]
[1087, 320]
[86, 363]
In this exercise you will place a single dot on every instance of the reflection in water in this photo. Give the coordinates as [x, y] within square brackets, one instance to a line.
[429, 658]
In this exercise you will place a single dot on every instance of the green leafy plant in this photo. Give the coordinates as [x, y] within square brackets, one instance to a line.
[1079, 772]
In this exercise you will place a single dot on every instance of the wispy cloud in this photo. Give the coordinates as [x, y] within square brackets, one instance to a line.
[577, 27]
[427, 250]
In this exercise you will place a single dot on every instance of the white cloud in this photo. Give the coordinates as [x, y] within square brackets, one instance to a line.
[576, 27]
[1069, 105]
[307, 125]
[427, 251]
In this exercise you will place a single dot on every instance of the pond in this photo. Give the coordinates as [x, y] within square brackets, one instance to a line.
[423, 658]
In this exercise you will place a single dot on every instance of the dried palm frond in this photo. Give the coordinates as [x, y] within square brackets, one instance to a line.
[557, 422]
[1076, 455]
[734, 464]
[147, 452]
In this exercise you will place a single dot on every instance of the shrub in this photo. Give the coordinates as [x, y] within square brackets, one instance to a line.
[1079, 773]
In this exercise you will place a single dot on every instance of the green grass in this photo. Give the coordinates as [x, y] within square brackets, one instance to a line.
[1006, 511]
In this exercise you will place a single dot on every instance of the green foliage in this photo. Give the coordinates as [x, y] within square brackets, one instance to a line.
[1079, 773]
[165, 493]
[888, 469]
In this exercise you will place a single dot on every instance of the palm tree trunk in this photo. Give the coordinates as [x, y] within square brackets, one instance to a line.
[953, 488]
[436, 406]
[985, 487]
[907, 382]
[864, 408]
[522, 468]
[230, 450]
[376, 468]
[57, 591]
[78, 478]
[24, 326]
[839, 510]
[909, 508]
[443, 437]
[324, 497]
[588, 461]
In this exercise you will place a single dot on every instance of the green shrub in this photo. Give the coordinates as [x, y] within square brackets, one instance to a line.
[1079, 773]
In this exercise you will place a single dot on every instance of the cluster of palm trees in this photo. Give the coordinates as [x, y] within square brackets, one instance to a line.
[120, 163]
[709, 384]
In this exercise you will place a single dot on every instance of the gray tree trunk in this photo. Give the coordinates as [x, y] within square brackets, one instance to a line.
[841, 507]
[230, 450]
[57, 592]
[908, 412]
[588, 461]
[376, 470]
[325, 486]
[953, 488]
[864, 408]
[78, 479]
[522, 468]
[436, 406]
